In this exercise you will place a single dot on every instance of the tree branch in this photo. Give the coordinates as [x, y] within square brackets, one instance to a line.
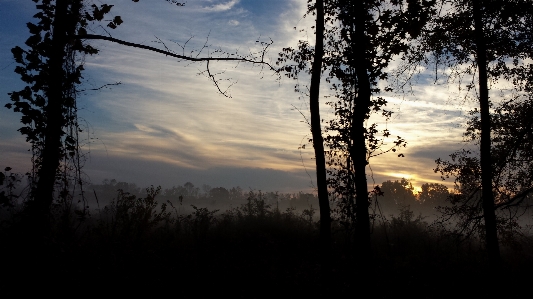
[516, 200]
[168, 53]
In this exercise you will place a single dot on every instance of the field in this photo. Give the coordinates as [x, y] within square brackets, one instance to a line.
[250, 251]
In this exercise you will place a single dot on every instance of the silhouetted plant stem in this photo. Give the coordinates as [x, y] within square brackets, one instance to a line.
[485, 143]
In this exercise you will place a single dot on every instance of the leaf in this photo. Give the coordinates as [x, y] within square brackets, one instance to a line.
[118, 20]
[82, 31]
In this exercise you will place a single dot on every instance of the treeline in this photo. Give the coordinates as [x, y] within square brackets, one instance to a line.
[394, 196]
[401, 193]
[205, 196]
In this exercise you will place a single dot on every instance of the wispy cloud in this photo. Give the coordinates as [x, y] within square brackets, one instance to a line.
[222, 6]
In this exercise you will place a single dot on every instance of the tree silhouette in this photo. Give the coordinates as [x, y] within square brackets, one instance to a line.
[398, 193]
[316, 130]
[220, 193]
[491, 38]
[370, 34]
[356, 52]
[48, 104]
[302, 57]
[433, 195]
[512, 164]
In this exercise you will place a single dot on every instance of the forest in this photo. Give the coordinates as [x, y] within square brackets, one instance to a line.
[350, 237]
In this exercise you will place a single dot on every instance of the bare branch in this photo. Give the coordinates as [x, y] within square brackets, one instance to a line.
[103, 86]
[516, 200]
[168, 53]
[212, 77]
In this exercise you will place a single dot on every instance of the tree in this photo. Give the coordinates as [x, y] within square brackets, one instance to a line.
[491, 39]
[302, 57]
[48, 104]
[236, 193]
[357, 51]
[219, 193]
[397, 194]
[433, 195]
[370, 34]
[316, 130]
[512, 164]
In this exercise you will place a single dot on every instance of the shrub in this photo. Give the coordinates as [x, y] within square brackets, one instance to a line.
[132, 216]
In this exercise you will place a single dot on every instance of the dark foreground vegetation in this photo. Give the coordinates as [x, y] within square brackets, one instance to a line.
[254, 250]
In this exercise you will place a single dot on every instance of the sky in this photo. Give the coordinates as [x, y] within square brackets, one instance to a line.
[167, 124]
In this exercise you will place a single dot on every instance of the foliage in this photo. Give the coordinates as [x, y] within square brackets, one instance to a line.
[132, 216]
[406, 218]
[52, 66]
[361, 38]
[202, 220]
[400, 193]
[512, 144]
[511, 163]
[219, 192]
[278, 251]
[451, 38]
[433, 194]
[187, 191]
[490, 40]
[256, 207]
[8, 185]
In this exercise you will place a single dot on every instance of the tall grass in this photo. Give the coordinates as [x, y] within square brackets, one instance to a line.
[254, 250]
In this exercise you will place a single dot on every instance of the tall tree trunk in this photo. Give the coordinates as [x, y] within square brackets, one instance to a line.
[487, 195]
[55, 119]
[316, 130]
[358, 151]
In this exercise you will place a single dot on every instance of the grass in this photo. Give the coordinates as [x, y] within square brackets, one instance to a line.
[251, 251]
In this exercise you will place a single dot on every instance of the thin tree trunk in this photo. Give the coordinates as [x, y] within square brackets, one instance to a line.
[487, 195]
[358, 150]
[55, 120]
[318, 142]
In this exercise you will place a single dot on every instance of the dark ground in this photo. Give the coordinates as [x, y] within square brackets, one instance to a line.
[274, 255]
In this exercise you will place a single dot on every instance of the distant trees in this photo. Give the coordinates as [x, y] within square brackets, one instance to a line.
[398, 193]
[236, 193]
[219, 193]
[433, 195]
[355, 41]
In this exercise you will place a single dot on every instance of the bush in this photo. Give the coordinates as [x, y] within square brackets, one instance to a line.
[129, 216]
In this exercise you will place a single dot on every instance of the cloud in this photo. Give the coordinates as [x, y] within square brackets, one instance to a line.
[233, 22]
[222, 6]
